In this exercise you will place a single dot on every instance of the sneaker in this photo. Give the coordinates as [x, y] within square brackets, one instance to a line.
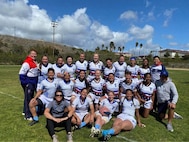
[29, 118]
[92, 132]
[74, 127]
[96, 132]
[33, 123]
[177, 116]
[105, 135]
[23, 113]
[170, 127]
[69, 137]
[55, 138]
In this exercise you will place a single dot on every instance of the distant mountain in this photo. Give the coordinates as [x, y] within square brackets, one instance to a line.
[7, 41]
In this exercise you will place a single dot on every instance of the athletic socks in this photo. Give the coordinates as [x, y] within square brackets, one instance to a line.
[36, 118]
[108, 132]
[82, 124]
[97, 126]
[111, 131]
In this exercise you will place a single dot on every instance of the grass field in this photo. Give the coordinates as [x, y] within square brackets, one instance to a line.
[14, 128]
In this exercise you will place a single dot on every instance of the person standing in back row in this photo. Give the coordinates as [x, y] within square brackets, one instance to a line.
[120, 68]
[28, 76]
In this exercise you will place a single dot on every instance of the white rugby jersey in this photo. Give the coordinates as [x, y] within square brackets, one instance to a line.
[57, 69]
[107, 71]
[114, 87]
[146, 91]
[131, 86]
[120, 69]
[97, 87]
[82, 106]
[155, 72]
[70, 69]
[134, 70]
[43, 71]
[67, 88]
[48, 88]
[95, 66]
[81, 65]
[110, 105]
[129, 106]
[143, 71]
[79, 85]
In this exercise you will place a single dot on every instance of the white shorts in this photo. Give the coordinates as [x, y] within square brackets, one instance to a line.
[147, 104]
[94, 98]
[124, 117]
[45, 100]
[105, 118]
[81, 115]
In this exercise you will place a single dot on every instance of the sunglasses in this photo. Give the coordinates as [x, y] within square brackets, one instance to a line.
[59, 95]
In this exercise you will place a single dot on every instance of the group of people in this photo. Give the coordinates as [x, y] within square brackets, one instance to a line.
[74, 95]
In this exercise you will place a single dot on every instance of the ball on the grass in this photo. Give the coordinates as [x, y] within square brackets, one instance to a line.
[104, 111]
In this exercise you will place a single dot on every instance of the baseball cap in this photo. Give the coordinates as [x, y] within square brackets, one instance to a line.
[132, 58]
[164, 73]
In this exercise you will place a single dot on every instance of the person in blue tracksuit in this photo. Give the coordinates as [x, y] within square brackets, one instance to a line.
[28, 76]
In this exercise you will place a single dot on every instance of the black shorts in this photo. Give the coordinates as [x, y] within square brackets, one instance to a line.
[39, 102]
[162, 107]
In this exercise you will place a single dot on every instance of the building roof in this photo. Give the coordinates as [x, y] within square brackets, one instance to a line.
[174, 50]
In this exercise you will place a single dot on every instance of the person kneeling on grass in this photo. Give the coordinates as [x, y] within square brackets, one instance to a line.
[81, 105]
[44, 95]
[58, 114]
[104, 114]
[126, 120]
[167, 97]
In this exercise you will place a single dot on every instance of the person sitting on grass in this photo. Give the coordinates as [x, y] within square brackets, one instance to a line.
[126, 119]
[57, 117]
[107, 106]
[81, 105]
[167, 97]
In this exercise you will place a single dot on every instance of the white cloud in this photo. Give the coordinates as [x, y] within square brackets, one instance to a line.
[77, 29]
[173, 43]
[169, 36]
[147, 3]
[129, 15]
[144, 33]
[168, 15]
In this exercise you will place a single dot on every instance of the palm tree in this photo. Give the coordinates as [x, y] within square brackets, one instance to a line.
[119, 49]
[106, 47]
[102, 46]
[136, 44]
[123, 47]
[111, 45]
[97, 48]
[140, 47]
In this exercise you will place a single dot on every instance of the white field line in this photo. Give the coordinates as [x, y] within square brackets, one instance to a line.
[129, 140]
[12, 96]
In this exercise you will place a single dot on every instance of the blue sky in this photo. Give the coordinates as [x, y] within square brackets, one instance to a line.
[90, 23]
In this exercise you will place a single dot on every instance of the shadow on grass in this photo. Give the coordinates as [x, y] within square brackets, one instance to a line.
[156, 116]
